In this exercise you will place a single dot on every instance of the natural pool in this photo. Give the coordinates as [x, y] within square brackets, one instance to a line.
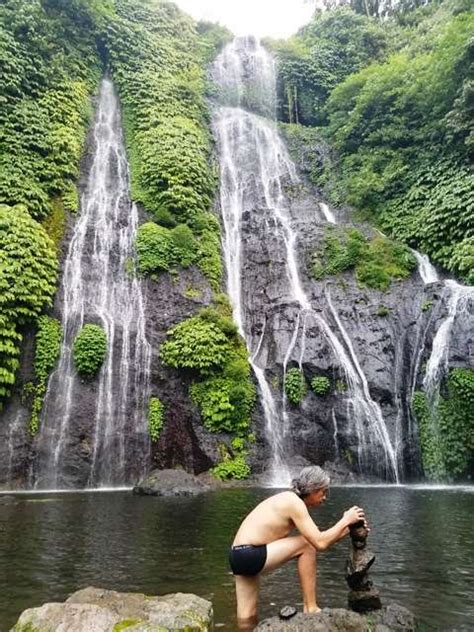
[54, 544]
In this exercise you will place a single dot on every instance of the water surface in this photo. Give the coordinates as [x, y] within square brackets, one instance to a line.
[52, 545]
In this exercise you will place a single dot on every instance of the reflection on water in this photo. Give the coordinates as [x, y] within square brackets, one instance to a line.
[422, 539]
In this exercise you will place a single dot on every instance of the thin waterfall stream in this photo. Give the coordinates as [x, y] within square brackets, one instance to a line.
[98, 287]
[254, 169]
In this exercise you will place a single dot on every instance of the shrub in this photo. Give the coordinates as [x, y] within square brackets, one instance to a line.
[446, 431]
[196, 344]
[155, 418]
[28, 268]
[320, 385]
[295, 386]
[154, 248]
[184, 245]
[225, 404]
[89, 350]
[376, 262]
[236, 468]
[383, 311]
[48, 347]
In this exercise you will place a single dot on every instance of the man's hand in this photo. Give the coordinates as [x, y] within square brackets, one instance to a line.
[355, 514]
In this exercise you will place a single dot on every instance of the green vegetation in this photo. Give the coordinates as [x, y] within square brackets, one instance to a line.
[89, 350]
[331, 47]
[157, 60]
[376, 262]
[447, 430]
[232, 468]
[209, 348]
[28, 269]
[48, 347]
[426, 306]
[156, 412]
[394, 99]
[295, 386]
[233, 464]
[383, 311]
[50, 66]
[320, 385]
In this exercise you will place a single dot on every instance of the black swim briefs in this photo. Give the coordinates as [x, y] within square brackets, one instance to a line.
[247, 559]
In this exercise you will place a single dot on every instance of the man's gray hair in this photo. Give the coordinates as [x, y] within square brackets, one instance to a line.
[310, 479]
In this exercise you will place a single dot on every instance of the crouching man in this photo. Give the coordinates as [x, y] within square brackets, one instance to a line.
[262, 542]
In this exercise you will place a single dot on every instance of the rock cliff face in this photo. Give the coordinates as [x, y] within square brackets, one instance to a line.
[391, 347]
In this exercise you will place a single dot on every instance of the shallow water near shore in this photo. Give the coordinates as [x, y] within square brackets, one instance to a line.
[54, 544]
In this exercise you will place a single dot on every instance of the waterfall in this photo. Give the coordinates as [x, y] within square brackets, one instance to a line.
[254, 169]
[426, 269]
[97, 286]
[327, 213]
[458, 298]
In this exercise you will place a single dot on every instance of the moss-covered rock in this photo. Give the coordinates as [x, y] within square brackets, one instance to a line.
[98, 610]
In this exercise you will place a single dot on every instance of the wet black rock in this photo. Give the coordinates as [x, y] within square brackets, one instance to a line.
[170, 483]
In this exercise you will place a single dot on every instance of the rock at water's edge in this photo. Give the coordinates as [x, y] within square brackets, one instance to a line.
[170, 483]
[98, 610]
[391, 618]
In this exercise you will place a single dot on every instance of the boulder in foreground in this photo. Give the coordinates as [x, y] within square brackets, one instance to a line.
[170, 483]
[391, 618]
[98, 610]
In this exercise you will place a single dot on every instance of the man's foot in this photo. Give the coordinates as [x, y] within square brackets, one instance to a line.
[311, 609]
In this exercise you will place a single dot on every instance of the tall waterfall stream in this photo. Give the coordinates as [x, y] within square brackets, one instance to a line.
[96, 287]
[254, 169]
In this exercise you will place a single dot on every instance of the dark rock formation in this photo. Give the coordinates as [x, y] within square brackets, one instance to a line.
[363, 597]
[98, 610]
[170, 483]
[391, 618]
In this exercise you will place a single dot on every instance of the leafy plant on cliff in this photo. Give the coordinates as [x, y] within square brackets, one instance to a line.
[295, 386]
[235, 468]
[48, 347]
[446, 429]
[156, 411]
[376, 262]
[209, 345]
[28, 269]
[50, 66]
[89, 350]
[157, 61]
[320, 385]
[196, 344]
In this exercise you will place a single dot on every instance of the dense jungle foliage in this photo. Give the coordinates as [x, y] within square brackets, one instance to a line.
[49, 68]
[446, 427]
[158, 63]
[394, 99]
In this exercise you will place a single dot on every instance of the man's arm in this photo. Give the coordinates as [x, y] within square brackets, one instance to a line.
[322, 540]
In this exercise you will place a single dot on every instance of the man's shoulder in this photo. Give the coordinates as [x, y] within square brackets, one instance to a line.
[289, 499]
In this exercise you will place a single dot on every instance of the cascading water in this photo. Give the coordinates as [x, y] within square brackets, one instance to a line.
[458, 297]
[98, 287]
[426, 269]
[254, 169]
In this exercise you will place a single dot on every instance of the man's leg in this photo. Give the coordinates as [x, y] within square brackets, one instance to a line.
[286, 549]
[246, 590]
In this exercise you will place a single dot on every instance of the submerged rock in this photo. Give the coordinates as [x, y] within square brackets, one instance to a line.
[98, 610]
[391, 618]
[170, 483]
